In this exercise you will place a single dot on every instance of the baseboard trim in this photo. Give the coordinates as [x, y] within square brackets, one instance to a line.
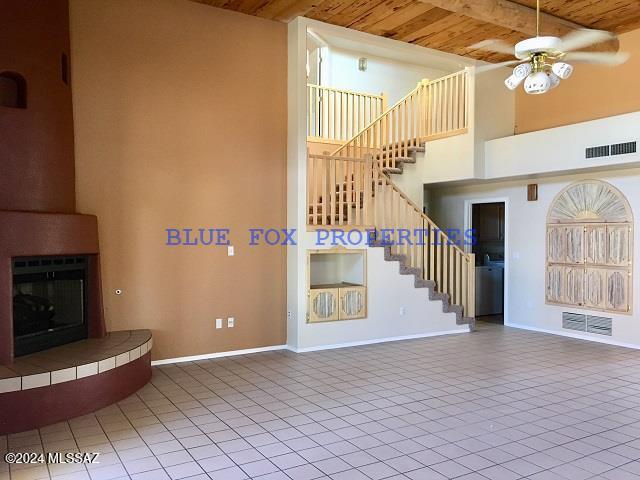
[209, 356]
[576, 336]
[231, 353]
[376, 340]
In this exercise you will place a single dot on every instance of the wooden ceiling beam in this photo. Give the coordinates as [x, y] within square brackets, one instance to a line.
[516, 17]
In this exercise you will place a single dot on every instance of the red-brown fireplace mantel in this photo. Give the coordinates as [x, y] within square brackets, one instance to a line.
[24, 234]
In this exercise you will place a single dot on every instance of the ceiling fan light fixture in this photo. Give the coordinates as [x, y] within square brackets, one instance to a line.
[512, 82]
[537, 83]
[562, 70]
[554, 80]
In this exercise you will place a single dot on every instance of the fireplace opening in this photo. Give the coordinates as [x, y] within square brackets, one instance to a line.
[49, 302]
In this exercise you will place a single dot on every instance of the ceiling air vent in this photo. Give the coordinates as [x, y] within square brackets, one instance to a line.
[623, 148]
[574, 321]
[601, 151]
[599, 325]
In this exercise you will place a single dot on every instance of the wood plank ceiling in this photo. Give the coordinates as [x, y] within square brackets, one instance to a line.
[421, 23]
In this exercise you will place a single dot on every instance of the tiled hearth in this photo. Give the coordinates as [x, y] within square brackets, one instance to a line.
[74, 361]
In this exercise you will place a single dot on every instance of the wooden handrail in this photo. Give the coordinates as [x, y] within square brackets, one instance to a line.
[434, 109]
[335, 114]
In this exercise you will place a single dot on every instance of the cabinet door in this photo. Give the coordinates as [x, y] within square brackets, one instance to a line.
[353, 303]
[595, 288]
[574, 285]
[618, 245]
[596, 245]
[489, 223]
[555, 284]
[323, 305]
[556, 245]
[575, 244]
[618, 290]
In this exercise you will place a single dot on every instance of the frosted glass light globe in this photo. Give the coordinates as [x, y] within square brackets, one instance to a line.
[554, 80]
[537, 83]
[562, 70]
[522, 70]
[512, 82]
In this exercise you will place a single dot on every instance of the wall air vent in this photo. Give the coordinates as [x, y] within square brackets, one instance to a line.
[623, 148]
[599, 325]
[574, 321]
[587, 323]
[594, 152]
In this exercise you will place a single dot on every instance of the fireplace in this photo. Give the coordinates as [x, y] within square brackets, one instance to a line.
[49, 302]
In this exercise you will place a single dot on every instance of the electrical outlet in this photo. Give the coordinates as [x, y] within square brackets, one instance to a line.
[231, 251]
[402, 311]
[231, 322]
[218, 323]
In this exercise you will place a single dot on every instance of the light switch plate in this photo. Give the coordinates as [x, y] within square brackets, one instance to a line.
[218, 323]
[231, 251]
[231, 322]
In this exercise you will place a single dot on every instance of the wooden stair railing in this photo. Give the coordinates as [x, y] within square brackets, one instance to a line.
[336, 115]
[355, 192]
[434, 109]
[428, 251]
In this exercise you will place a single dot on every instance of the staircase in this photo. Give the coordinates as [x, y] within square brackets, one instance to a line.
[352, 188]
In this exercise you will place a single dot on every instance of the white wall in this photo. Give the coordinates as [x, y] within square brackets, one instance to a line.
[394, 78]
[525, 232]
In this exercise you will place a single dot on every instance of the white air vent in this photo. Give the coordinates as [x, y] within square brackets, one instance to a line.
[599, 325]
[587, 323]
[623, 148]
[574, 321]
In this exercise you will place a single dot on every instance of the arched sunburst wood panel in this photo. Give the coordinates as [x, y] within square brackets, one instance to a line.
[589, 248]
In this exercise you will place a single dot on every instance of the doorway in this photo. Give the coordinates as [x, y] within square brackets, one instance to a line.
[487, 219]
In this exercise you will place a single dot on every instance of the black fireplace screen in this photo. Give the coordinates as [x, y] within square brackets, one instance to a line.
[49, 302]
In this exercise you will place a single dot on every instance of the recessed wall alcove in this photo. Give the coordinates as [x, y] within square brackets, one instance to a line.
[13, 90]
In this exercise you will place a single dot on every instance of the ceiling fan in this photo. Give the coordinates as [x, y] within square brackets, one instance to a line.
[543, 61]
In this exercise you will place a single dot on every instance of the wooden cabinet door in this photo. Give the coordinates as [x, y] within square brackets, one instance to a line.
[595, 241]
[323, 305]
[618, 295]
[575, 244]
[555, 284]
[489, 224]
[619, 243]
[574, 285]
[556, 245]
[595, 288]
[353, 303]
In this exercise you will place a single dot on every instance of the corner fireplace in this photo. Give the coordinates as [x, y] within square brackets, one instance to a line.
[49, 302]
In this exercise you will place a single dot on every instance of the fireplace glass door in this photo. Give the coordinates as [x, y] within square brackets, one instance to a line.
[49, 302]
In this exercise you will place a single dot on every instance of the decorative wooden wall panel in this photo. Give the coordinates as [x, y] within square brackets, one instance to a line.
[589, 248]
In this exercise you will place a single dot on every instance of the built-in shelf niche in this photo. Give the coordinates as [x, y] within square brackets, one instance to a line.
[336, 280]
[13, 90]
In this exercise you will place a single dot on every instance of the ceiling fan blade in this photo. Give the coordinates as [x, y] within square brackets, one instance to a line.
[585, 37]
[494, 66]
[597, 58]
[497, 46]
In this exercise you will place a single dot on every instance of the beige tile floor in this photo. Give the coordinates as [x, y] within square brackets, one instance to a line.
[496, 404]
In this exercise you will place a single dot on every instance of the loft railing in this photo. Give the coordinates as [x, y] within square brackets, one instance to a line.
[434, 109]
[351, 192]
[336, 115]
